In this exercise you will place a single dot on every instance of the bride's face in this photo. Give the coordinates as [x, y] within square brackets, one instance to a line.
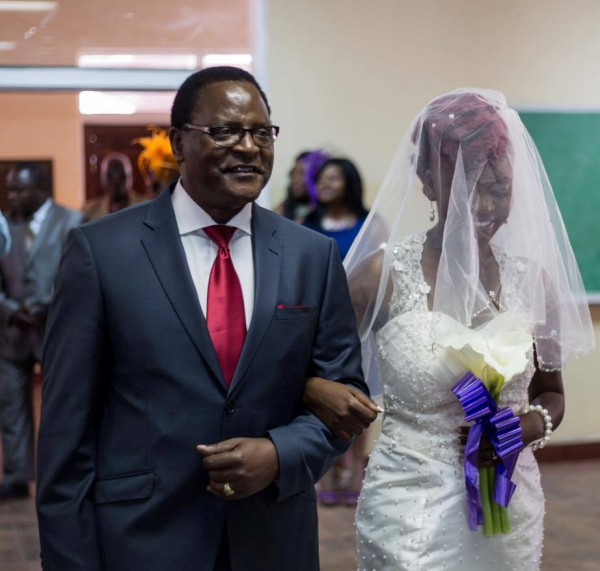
[490, 204]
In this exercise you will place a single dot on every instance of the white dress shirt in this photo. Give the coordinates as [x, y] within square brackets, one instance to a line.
[35, 224]
[4, 236]
[201, 251]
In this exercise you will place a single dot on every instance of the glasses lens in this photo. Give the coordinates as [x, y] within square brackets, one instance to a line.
[230, 136]
[226, 135]
[262, 137]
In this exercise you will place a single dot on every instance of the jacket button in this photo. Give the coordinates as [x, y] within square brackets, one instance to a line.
[230, 408]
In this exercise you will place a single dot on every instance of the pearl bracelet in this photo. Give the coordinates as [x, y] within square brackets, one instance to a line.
[537, 444]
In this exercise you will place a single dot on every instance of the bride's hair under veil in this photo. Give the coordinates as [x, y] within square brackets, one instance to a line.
[470, 155]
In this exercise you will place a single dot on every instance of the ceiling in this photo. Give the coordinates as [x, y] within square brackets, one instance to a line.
[74, 27]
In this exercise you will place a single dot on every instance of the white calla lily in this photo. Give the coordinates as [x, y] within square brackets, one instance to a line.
[496, 353]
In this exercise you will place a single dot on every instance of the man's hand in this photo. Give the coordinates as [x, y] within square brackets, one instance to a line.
[248, 465]
[22, 318]
[344, 409]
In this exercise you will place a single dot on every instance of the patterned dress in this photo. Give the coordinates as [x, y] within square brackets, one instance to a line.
[412, 510]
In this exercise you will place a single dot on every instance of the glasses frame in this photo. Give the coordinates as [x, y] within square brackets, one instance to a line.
[208, 130]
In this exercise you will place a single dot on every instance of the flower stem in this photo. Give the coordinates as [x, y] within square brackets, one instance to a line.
[486, 502]
[505, 520]
[497, 523]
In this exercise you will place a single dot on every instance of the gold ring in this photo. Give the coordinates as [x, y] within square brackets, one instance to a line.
[228, 490]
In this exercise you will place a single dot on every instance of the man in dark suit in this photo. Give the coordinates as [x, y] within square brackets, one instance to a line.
[173, 434]
[38, 228]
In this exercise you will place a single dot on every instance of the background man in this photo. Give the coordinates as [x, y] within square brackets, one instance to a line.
[173, 434]
[116, 179]
[38, 228]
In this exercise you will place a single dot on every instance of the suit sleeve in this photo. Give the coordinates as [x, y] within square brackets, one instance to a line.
[71, 400]
[306, 448]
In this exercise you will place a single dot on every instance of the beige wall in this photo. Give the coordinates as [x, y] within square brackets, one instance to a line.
[46, 126]
[350, 75]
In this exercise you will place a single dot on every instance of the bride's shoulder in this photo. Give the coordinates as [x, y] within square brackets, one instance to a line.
[405, 258]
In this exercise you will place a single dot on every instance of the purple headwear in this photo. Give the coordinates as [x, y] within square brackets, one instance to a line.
[313, 161]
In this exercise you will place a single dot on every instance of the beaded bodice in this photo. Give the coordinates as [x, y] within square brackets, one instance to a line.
[416, 375]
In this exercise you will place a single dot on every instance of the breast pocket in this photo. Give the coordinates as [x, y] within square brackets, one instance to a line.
[296, 312]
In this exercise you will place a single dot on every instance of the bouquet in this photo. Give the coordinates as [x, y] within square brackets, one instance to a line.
[492, 355]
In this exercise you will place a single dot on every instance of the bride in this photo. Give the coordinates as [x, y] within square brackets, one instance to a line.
[490, 256]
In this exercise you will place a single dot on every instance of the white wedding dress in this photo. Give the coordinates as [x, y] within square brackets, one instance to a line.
[412, 510]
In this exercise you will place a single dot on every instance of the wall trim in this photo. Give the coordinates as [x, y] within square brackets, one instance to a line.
[569, 452]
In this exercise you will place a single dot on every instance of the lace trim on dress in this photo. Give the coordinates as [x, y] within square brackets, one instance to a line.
[410, 288]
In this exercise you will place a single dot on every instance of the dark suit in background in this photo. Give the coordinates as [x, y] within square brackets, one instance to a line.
[132, 383]
[27, 276]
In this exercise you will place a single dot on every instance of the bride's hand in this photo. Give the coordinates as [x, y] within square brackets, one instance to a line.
[487, 455]
[344, 409]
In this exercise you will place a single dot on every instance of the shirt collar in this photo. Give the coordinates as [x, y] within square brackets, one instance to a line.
[40, 215]
[191, 217]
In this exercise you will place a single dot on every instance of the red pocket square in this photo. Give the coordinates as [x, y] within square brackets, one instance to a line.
[282, 306]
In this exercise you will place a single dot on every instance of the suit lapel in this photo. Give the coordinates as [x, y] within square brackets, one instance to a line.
[267, 253]
[167, 256]
[43, 236]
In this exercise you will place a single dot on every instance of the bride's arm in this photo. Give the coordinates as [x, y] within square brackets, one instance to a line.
[364, 287]
[546, 390]
[546, 387]
[344, 409]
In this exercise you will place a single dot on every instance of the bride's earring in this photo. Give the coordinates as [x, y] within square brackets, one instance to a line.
[431, 212]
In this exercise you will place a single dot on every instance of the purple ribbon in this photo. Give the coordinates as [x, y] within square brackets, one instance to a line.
[502, 428]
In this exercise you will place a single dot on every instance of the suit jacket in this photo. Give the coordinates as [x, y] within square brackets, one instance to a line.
[132, 384]
[28, 278]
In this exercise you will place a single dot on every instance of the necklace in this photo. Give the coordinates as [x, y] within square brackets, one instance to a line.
[493, 295]
[344, 223]
[493, 302]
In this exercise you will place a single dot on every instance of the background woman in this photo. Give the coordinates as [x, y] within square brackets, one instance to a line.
[301, 192]
[340, 213]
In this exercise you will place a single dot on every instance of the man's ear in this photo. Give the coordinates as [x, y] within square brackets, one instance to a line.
[176, 144]
[429, 189]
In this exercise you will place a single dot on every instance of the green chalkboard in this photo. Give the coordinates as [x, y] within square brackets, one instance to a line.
[569, 144]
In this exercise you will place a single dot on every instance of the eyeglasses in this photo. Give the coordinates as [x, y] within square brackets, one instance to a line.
[231, 136]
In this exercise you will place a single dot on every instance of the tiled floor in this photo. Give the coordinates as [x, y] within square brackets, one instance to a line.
[572, 522]
[572, 541]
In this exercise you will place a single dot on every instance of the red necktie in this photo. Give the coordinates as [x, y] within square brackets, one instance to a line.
[225, 314]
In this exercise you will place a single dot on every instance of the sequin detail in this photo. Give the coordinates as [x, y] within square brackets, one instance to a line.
[411, 514]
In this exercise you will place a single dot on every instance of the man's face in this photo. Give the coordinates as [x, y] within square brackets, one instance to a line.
[223, 179]
[23, 196]
[116, 179]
